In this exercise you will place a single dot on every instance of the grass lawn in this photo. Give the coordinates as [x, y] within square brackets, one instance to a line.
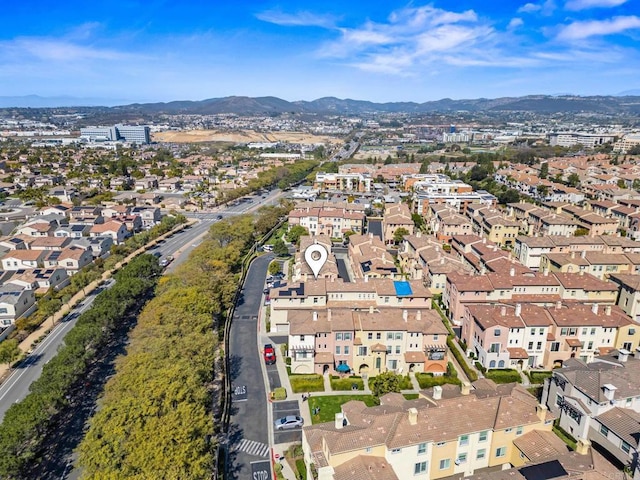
[538, 377]
[410, 396]
[330, 405]
[347, 383]
[505, 375]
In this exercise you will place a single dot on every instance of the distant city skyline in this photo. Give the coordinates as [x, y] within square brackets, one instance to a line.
[378, 51]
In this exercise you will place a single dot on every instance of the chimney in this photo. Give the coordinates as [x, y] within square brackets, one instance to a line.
[405, 315]
[328, 314]
[594, 308]
[583, 254]
[419, 315]
[340, 421]
[465, 388]
[582, 446]
[573, 254]
[370, 308]
[581, 273]
[623, 355]
[518, 309]
[545, 272]
[512, 272]
[413, 416]
[558, 304]
[609, 391]
[607, 310]
[484, 240]
[437, 392]
[366, 278]
[441, 260]
[495, 248]
[315, 316]
[541, 412]
[419, 234]
[503, 310]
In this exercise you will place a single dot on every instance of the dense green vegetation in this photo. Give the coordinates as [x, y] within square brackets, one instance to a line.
[427, 380]
[306, 383]
[27, 423]
[156, 419]
[328, 405]
[503, 375]
[347, 383]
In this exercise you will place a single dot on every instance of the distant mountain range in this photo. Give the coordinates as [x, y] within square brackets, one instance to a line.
[543, 104]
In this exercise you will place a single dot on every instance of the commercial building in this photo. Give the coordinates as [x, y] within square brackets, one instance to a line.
[139, 134]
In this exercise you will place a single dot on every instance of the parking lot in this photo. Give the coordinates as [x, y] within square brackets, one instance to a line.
[282, 409]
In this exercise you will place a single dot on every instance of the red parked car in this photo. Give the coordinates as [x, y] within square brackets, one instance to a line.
[269, 354]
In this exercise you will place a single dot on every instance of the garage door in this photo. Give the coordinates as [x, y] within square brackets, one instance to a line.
[282, 327]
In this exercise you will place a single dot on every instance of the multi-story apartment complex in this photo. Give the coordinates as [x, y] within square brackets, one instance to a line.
[329, 219]
[362, 294]
[396, 216]
[369, 258]
[492, 224]
[343, 182]
[434, 189]
[429, 438]
[368, 341]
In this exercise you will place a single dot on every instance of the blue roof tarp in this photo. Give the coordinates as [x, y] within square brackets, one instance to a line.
[343, 367]
[402, 288]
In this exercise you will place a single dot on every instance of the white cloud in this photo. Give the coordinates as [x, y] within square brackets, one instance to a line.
[515, 23]
[592, 28]
[585, 4]
[58, 50]
[298, 19]
[545, 8]
[529, 8]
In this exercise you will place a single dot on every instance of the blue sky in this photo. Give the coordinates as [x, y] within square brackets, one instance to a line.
[157, 50]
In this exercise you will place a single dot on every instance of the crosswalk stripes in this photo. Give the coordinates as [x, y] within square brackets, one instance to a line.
[258, 449]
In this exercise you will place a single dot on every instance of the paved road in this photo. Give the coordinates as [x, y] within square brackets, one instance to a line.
[249, 417]
[16, 387]
[375, 227]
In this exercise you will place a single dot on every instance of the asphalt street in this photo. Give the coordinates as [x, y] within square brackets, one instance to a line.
[16, 387]
[248, 417]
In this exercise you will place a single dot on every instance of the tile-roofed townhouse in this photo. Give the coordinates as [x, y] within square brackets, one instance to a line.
[149, 182]
[629, 296]
[580, 392]
[302, 271]
[633, 230]
[583, 331]
[100, 246]
[327, 219]
[132, 222]
[61, 209]
[617, 431]
[112, 228]
[446, 225]
[623, 215]
[22, 259]
[170, 184]
[529, 250]
[494, 225]
[369, 258]
[360, 294]
[40, 279]
[598, 225]
[15, 302]
[584, 287]
[367, 342]
[600, 265]
[432, 438]
[438, 269]
[410, 254]
[13, 243]
[37, 229]
[396, 216]
[506, 335]
[74, 258]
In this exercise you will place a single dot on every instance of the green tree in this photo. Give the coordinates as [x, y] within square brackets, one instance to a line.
[399, 234]
[9, 351]
[418, 220]
[274, 268]
[544, 170]
[279, 248]
[386, 382]
[573, 180]
[295, 232]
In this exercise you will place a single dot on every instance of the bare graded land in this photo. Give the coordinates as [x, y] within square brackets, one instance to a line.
[241, 136]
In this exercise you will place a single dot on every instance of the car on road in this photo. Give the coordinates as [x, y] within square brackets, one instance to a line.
[269, 354]
[288, 422]
[166, 261]
[219, 217]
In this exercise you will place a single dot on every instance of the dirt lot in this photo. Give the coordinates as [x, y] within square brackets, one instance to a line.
[244, 136]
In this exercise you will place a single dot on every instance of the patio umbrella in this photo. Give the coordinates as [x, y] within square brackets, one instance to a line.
[343, 368]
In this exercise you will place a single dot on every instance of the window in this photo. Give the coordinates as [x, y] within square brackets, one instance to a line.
[462, 458]
[495, 348]
[590, 346]
[347, 336]
[625, 447]
[555, 346]
[584, 331]
[435, 338]
[440, 444]
[445, 463]
[481, 453]
[496, 332]
[388, 349]
[541, 331]
[501, 452]
[604, 430]
[362, 351]
[519, 431]
[397, 349]
[508, 430]
[559, 399]
[4, 310]
[564, 331]
[338, 336]
[302, 338]
[315, 299]
[422, 448]
[370, 336]
[368, 449]
[337, 349]
[464, 440]
[530, 346]
[593, 331]
[420, 468]
[389, 335]
[483, 436]
[378, 336]
[398, 335]
[346, 349]
[539, 346]
[396, 450]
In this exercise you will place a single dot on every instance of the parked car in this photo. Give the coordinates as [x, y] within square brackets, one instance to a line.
[288, 422]
[269, 354]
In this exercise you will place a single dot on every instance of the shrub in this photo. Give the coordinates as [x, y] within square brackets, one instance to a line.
[480, 367]
[471, 375]
[306, 383]
[279, 393]
[538, 377]
[338, 383]
[427, 380]
[505, 375]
